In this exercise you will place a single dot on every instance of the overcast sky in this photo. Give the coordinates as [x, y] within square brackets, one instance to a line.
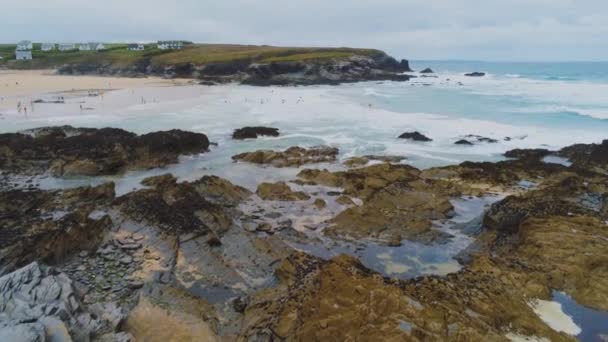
[414, 29]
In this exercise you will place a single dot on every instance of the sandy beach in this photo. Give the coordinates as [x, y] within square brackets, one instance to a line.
[46, 87]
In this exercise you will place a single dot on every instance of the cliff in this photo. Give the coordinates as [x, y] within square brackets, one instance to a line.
[255, 65]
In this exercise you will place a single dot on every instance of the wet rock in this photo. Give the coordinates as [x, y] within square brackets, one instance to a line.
[239, 304]
[475, 74]
[160, 181]
[480, 138]
[87, 151]
[344, 200]
[168, 312]
[280, 191]
[463, 142]
[254, 132]
[293, 156]
[320, 203]
[221, 191]
[341, 299]
[385, 189]
[415, 136]
[27, 332]
[214, 241]
[426, 71]
[175, 208]
[264, 227]
[47, 301]
[126, 260]
[29, 232]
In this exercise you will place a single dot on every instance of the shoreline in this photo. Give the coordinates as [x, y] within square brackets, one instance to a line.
[27, 86]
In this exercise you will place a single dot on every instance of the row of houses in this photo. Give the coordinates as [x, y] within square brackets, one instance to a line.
[24, 48]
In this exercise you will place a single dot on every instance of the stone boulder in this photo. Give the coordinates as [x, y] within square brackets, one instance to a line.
[51, 225]
[292, 157]
[463, 142]
[475, 74]
[280, 191]
[415, 136]
[67, 150]
[254, 132]
[177, 208]
[39, 304]
[427, 71]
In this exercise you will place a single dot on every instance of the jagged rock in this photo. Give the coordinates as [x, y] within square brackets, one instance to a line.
[280, 191]
[219, 190]
[27, 332]
[254, 132]
[293, 156]
[427, 71]
[479, 138]
[416, 136]
[87, 151]
[50, 225]
[48, 302]
[475, 74]
[320, 203]
[176, 208]
[463, 142]
[384, 189]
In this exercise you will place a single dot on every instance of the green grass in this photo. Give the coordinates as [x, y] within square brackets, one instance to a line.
[117, 55]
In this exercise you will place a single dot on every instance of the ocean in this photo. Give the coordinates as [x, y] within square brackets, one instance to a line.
[521, 105]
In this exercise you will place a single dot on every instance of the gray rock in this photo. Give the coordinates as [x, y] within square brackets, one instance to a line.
[30, 332]
[126, 260]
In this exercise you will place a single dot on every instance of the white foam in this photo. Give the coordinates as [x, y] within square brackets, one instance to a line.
[552, 314]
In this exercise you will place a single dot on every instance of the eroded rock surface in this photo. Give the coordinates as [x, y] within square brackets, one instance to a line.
[50, 225]
[39, 304]
[254, 132]
[292, 157]
[88, 151]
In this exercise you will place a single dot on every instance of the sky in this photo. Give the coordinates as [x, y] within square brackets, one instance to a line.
[504, 30]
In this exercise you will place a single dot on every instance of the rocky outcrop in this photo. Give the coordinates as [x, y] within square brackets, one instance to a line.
[463, 142]
[361, 161]
[427, 71]
[254, 132]
[38, 304]
[51, 225]
[280, 191]
[415, 136]
[376, 66]
[66, 150]
[385, 189]
[341, 300]
[175, 208]
[475, 74]
[291, 157]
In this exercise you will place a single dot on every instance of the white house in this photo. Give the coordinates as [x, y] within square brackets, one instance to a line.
[47, 46]
[91, 46]
[66, 46]
[24, 45]
[136, 47]
[23, 55]
[97, 46]
[24, 50]
[170, 45]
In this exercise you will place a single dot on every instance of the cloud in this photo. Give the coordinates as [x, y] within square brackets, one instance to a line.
[438, 29]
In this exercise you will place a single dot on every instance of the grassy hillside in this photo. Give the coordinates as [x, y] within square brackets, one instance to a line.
[119, 56]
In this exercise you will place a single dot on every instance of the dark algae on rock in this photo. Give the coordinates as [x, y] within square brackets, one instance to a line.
[206, 259]
[66, 150]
